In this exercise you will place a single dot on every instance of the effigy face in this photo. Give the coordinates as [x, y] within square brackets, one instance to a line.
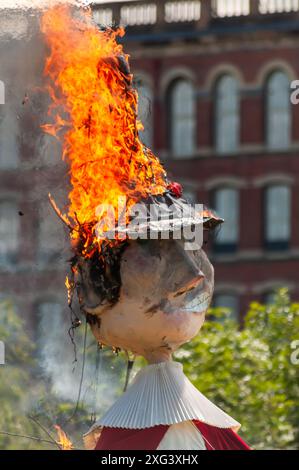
[165, 292]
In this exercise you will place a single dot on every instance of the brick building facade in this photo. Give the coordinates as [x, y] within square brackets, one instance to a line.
[216, 77]
[214, 80]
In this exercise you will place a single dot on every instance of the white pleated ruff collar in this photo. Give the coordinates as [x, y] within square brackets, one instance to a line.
[162, 394]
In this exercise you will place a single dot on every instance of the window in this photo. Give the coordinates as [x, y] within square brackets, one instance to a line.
[137, 15]
[9, 231]
[278, 216]
[8, 139]
[182, 11]
[228, 8]
[182, 118]
[226, 202]
[278, 119]
[227, 115]
[145, 113]
[229, 301]
[50, 151]
[103, 16]
[269, 297]
[2, 92]
[278, 6]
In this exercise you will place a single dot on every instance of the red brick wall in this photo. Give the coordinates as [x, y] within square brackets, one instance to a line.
[248, 166]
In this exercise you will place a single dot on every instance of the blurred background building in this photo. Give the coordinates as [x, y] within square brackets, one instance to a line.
[214, 78]
[33, 246]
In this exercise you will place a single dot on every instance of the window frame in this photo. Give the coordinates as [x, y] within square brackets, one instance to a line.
[279, 244]
[10, 256]
[270, 115]
[149, 126]
[234, 315]
[219, 150]
[227, 247]
[171, 119]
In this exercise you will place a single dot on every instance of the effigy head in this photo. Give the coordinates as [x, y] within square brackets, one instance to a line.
[161, 294]
[145, 295]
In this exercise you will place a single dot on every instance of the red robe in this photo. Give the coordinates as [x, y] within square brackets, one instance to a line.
[150, 438]
[162, 410]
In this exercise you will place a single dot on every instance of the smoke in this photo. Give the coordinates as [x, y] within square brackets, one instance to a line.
[100, 381]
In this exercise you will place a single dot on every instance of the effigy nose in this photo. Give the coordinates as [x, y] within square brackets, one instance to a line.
[187, 273]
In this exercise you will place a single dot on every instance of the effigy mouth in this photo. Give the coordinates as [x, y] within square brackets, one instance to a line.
[199, 303]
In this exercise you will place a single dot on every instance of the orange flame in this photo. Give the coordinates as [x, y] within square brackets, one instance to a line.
[93, 86]
[63, 440]
[69, 286]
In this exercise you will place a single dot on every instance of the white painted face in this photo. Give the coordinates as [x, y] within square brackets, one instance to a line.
[165, 292]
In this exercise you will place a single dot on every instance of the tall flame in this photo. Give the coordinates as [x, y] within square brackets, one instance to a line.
[93, 97]
[63, 441]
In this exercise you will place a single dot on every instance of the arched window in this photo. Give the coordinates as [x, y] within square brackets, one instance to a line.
[8, 139]
[278, 216]
[182, 118]
[278, 115]
[9, 230]
[145, 113]
[2, 92]
[227, 115]
[229, 301]
[226, 202]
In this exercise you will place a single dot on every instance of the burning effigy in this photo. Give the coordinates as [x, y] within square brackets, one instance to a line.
[142, 279]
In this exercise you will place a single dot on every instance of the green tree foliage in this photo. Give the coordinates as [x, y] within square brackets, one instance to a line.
[249, 373]
[16, 391]
[25, 390]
